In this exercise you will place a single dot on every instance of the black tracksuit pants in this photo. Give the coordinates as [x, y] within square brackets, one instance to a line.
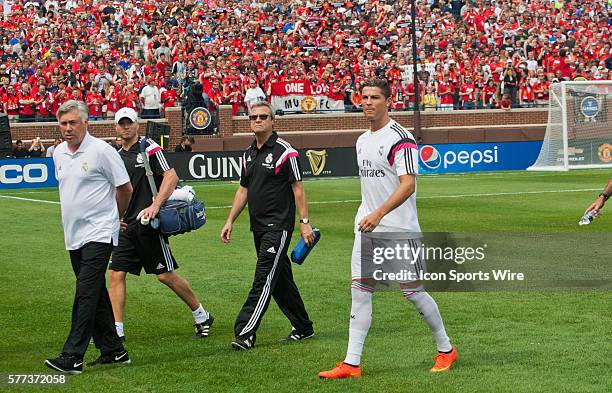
[92, 312]
[273, 277]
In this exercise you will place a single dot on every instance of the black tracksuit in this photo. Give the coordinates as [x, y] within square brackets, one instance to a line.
[268, 173]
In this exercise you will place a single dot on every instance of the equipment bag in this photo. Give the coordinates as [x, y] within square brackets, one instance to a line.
[175, 216]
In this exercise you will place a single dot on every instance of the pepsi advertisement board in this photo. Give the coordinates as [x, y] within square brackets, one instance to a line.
[475, 157]
[330, 162]
[27, 173]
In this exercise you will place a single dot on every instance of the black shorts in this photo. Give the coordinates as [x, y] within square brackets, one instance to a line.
[141, 247]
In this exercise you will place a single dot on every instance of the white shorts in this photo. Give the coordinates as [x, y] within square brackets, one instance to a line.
[357, 272]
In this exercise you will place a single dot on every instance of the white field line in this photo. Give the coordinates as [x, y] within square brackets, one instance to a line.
[507, 193]
[29, 199]
[492, 194]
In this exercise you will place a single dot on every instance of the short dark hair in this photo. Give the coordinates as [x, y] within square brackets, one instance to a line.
[381, 83]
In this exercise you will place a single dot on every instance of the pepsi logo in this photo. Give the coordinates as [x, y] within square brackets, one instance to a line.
[430, 157]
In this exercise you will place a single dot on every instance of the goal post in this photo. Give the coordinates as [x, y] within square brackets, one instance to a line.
[579, 129]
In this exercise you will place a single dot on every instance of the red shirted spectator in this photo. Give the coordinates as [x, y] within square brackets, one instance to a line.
[167, 95]
[445, 92]
[10, 101]
[27, 104]
[541, 89]
[113, 101]
[44, 100]
[410, 95]
[130, 99]
[233, 95]
[526, 95]
[467, 94]
[163, 66]
[489, 95]
[562, 63]
[215, 94]
[94, 102]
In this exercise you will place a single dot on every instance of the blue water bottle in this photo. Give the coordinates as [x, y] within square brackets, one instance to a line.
[301, 249]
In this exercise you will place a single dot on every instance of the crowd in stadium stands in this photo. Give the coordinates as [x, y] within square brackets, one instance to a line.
[145, 54]
[37, 149]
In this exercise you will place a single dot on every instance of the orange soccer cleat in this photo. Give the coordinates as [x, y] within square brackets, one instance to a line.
[444, 361]
[342, 370]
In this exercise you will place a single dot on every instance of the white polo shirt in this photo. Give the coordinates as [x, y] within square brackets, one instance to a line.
[87, 184]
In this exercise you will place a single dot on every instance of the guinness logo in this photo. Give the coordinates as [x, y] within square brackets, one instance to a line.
[316, 158]
[308, 104]
[605, 152]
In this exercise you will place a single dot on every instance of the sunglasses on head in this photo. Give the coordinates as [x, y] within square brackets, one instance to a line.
[260, 117]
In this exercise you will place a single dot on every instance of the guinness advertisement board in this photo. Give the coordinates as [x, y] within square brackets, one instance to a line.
[323, 162]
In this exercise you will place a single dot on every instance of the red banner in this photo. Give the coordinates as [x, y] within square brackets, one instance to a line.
[301, 95]
[301, 87]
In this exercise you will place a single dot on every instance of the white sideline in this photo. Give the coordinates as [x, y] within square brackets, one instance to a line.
[358, 200]
[29, 199]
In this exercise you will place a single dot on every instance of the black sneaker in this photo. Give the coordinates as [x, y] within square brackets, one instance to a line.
[112, 358]
[240, 344]
[67, 364]
[202, 329]
[296, 335]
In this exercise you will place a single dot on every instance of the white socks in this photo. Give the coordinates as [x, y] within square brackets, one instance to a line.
[200, 315]
[428, 308]
[361, 319]
[119, 328]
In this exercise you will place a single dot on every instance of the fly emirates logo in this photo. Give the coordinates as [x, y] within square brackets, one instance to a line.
[366, 170]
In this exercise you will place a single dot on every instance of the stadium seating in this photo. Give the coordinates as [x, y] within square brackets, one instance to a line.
[104, 52]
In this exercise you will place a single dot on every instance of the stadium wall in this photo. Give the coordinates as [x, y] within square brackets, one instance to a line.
[333, 130]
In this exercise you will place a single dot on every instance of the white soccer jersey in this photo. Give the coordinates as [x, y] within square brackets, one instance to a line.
[383, 156]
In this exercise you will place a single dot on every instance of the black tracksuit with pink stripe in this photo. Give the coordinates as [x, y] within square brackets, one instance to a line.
[268, 173]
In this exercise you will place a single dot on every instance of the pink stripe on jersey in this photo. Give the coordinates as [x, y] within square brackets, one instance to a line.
[153, 149]
[279, 166]
[406, 145]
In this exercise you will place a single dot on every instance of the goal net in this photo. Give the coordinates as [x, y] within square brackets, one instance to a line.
[579, 130]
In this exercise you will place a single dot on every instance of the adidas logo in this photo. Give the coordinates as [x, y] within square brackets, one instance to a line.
[249, 159]
[271, 250]
[160, 266]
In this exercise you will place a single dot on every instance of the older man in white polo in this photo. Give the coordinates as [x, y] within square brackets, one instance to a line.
[94, 192]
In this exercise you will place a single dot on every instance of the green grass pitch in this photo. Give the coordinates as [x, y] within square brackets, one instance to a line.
[507, 341]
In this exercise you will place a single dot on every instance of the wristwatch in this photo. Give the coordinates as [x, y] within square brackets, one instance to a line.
[305, 221]
[604, 195]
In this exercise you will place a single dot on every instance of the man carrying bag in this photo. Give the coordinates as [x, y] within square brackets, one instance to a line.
[142, 246]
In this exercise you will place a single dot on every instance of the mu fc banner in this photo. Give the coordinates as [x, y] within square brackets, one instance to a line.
[303, 96]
